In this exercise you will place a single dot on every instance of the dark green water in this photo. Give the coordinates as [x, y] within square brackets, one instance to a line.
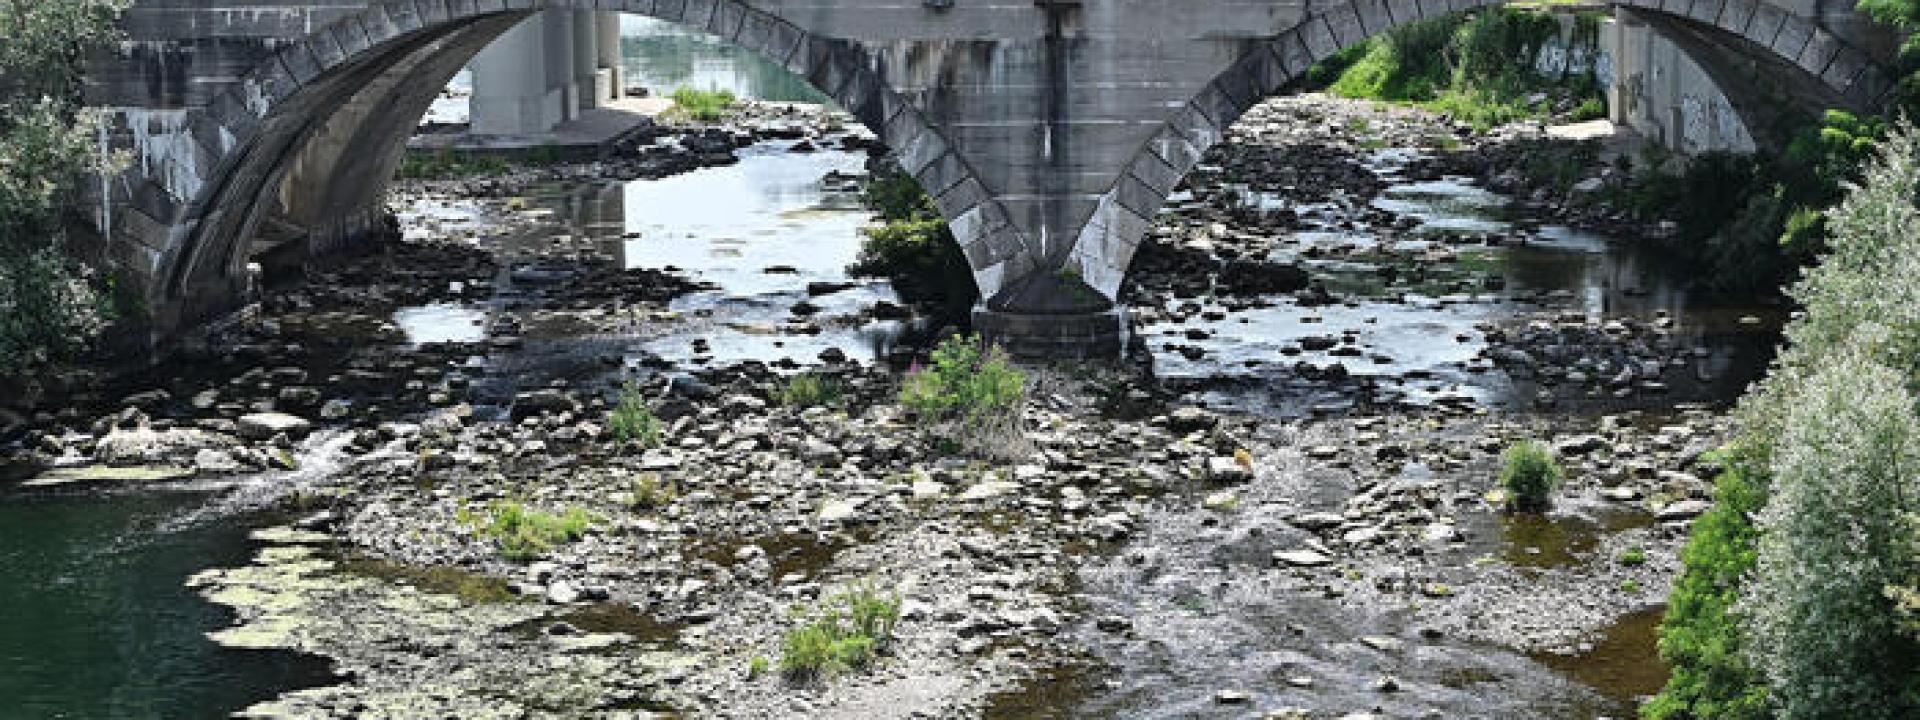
[97, 621]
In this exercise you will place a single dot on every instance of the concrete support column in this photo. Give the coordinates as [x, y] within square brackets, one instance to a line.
[586, 81]
[557, 36]
[612, 69]
[511, 92]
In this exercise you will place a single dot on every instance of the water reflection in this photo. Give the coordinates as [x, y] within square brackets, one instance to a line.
[661, 56]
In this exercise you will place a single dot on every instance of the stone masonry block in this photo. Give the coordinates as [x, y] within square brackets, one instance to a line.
[1373, 16]
[1293, 53]
[1735, 16]
[1345, 24]
[1155, 173]
[1820, 51]
[1319, 38]
[1793, 38]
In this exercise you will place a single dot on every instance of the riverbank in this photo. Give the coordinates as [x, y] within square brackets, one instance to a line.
[1278, 503]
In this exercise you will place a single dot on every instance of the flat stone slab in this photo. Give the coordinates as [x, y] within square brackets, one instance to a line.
[102, 473]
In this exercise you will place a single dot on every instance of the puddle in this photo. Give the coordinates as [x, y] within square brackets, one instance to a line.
[605, 618]
[441, 323]
[1624, 665]
[802, 554]
[1534, 540]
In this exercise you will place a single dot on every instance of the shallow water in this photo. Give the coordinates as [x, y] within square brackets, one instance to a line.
[1418, 324]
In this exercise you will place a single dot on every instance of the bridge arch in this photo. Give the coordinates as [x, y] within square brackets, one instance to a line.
[1841, 74]
[365, 80]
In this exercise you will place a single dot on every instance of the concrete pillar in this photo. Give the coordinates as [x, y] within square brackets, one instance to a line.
[586, 81]
[511, 92]
[612, 66]
[557, 36]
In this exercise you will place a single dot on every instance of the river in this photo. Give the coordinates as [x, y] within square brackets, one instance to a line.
[99, 623]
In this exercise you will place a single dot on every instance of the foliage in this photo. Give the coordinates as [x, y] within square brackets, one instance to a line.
[914, 247]
[849, 631]
[1700, 638]
[1903, 16]
[963, 381]
[450, 164]
[51, 307]
[1805, 425]
[1833, 538]
[1477, 67]
[632, 421]
[1529, 474]
[703, 105]
[649, 491]
[976, 395]
[809, 390]
[1751, 222]
[524, 533]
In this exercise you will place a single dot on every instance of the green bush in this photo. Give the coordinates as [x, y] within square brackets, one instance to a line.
[1700, 637]
[914, 248]
[524, 533]
[809, 390]
[449, 164]
[632, 421]
[51, 305]
[1477, 67]
[848, 632]
[703, 105]
[1529, 474]
[964, 382]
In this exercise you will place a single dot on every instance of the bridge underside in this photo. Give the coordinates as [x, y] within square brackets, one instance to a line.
[1049, 133]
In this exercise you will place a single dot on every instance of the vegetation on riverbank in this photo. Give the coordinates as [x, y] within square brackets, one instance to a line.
[849, 630]
[51, 306]
[1830, 445]
[1481, 68]
[525, 533]
[702, 105]
[913, 247]
[973, 394]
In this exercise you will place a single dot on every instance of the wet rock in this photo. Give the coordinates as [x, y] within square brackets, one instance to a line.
[1316, 520]
[538, 402]
[1227, 470]
[1683, 510]
[266, 425]
[1221, 501]
[1191, 419]
[1581, 445]
[1251, 277]
[1231, 697]
[1301, 558]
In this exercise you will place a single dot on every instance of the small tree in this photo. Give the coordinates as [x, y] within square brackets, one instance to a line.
[49, 308]
[1832, 540]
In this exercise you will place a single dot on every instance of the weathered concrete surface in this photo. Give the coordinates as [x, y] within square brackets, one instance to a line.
[1048, 131]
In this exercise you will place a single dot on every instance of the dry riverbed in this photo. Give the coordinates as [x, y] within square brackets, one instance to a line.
[1156, 554]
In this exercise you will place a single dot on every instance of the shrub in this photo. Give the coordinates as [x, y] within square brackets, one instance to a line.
[1833, 538]
[1700, 638]
[809, 390]
[1633, 556]
[651, 492]
[914, 248]
[632, 421]
[849, 631]
[703, 105]
[1529, 474]
[449, 164]
[964, 381]
[524, 533]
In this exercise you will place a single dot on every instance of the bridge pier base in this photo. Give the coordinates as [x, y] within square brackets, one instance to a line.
[1095, 334]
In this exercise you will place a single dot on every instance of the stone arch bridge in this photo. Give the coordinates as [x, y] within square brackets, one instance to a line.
[1048, 131]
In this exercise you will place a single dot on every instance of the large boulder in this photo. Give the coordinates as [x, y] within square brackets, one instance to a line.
[266, 425]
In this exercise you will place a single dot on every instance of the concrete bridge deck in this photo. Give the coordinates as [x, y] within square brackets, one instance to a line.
[1048, 131]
